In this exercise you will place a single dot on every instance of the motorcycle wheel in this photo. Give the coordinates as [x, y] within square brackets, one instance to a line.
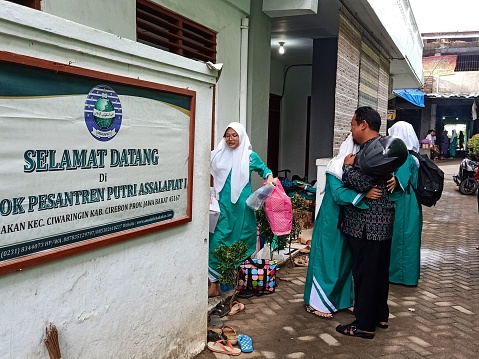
[468, 186]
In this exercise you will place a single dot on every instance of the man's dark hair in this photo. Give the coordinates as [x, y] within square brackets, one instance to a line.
[370, 115]
[429, 132]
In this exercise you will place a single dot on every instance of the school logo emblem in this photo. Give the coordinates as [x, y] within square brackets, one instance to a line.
[103, 113]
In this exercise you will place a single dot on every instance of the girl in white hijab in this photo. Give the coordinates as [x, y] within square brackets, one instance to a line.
[404, 267]
[232, 162]
[329, 285]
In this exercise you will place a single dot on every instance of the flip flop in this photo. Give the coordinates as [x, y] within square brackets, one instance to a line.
[304, 241]
[301, 261]
[219, 347]
[317, 313]
[236, 307]
[212, 336]
[245, 343]
[230, 334]
[305, 250]
[221, 309]
[215, 323]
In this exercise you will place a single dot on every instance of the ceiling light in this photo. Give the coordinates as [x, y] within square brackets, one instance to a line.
[281, 47]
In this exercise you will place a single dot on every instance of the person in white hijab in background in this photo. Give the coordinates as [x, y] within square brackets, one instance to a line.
[453, 144]
[329, 285]
[232, 163]
[404, 267]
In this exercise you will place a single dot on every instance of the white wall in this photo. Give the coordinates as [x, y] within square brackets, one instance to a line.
[258, 83]
[398, 19]
[143, 298]
[294, 119]
[276, 80]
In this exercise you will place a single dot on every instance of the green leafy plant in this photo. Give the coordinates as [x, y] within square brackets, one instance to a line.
[298, 203]
[473, 145]
[229, 260]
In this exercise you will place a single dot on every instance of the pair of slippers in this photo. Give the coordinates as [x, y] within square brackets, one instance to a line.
[305, 250]
[236, 307]
[225, 333]
[304, 241]
[221, 309]
[226, 347]
[301, 261]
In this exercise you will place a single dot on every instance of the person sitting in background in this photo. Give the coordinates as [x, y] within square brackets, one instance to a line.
[434, 149]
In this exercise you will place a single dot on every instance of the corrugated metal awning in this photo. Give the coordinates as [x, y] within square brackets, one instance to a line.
[453, 95]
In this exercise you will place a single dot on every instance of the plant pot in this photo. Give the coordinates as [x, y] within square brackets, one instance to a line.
[225, 287]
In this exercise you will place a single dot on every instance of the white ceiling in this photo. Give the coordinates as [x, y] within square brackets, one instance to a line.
[297, 32]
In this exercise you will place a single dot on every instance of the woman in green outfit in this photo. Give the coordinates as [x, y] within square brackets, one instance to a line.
[453, 144]
[232, 163]
[405, 263]
[329, 285]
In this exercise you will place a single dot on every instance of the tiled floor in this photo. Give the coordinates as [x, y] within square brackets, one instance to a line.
[437, 319]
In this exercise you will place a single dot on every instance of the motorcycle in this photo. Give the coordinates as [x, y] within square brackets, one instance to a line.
[465, 178]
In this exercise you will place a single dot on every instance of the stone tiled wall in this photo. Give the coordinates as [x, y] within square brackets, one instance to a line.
[383, 91]
[347, 80]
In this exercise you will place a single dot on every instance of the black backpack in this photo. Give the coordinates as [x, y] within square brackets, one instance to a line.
[430, 181]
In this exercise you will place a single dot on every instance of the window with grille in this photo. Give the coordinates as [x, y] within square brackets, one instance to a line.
[161, 28]
[467, 63]
[34, 4]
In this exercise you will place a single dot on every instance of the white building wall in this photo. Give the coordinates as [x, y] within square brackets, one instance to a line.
[143, 298]
[398, 19]
[294, 120]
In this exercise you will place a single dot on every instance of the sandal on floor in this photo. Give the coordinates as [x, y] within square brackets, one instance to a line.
[301, 261]
[215, 323]
[305, 250]
[304, 241]
[382, 326]
[230, 334]
[213, 336]
[220, 347]
[245, 343]
[317, 313]
[236, 307]
[221, 309]
[353, 331]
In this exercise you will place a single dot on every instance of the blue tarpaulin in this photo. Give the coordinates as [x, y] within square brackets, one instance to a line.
[414, 96]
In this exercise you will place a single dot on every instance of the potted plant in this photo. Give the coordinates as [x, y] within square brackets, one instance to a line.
[298, 204]
[229, 259]
[473, 145]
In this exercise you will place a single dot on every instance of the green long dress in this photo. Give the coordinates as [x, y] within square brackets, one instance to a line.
[452, 147]
[406, 242]
[329, 285]
[236, 222]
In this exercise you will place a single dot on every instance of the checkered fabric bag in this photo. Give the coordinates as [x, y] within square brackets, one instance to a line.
[257, 275]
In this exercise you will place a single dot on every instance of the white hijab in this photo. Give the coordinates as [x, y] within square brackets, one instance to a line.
[225, 160]
[405, 132]
[335, 166]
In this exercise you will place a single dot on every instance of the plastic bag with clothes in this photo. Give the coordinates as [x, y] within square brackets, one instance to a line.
[257, 198]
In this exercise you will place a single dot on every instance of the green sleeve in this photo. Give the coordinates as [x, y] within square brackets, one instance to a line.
[343, 195]
[406, 176]
[258, 166]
